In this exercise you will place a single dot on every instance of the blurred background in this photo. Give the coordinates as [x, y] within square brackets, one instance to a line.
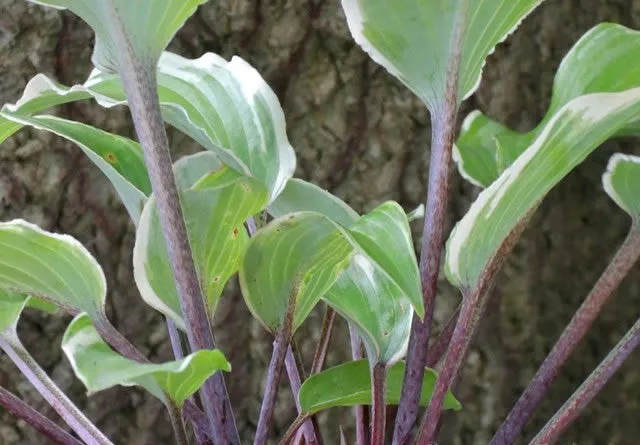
[363, 136]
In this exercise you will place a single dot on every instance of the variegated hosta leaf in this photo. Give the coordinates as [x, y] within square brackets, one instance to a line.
[299, 195]
[145, 27]
[373, 283]
[414, 39]
[216, 201]
[99, 367]
[622, 183]
[225, 106]
[119, 158]
[379, 290]
[50, 266]
[377, 308]
[349, 384]
[292, 261]
[602, 61]
[575, 130]
[383, 234]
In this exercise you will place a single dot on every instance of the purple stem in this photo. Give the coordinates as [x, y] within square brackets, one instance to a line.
[319, 357]
[139, 79]
[320, 354]
[378, 409]
[575, 331]
[439, 347]
[362, 437]
[174, 338]
[295, 381]
[452, 362]
[58, 400]
[22, 410]
[280, 346]
[293, 429]
[443, 132]
[590, 388]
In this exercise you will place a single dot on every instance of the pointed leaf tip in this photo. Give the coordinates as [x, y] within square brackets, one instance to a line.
[99, 367]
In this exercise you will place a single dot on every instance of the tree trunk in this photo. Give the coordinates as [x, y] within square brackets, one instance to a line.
[365, 137]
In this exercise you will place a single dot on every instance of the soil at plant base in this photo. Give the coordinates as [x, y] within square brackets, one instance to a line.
[363, 136]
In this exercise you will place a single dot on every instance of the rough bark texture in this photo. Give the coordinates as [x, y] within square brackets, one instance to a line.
[366, 138]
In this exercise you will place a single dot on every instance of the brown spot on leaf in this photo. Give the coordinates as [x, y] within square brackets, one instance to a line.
[110, 158]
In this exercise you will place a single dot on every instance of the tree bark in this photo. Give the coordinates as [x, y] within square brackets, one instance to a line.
[349, 122]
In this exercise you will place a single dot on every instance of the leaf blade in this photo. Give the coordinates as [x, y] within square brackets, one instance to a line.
[349, 384]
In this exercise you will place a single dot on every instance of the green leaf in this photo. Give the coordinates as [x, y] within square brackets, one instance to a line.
[50, 266]
[99, 367]
[575, 131]
[295, 258]
[416, 214]
[602, 61]
[414, 39]
[378, 309]
[384, 235]
[216, 202]
[299, 195]
[119, 158]
[145, 26]
[371, 278]
[622, 183]
[225, 106]
[11, 306]
[349, 384]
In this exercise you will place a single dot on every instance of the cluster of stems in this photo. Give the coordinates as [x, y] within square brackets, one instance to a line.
[214, 423]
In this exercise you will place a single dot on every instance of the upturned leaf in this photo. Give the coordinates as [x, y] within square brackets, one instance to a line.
[567, 136]
[119, 158]
[146, 27]
[602, 61]
[622, 183]
[349, 384]
[216, 201]
[53, 267]
[414, 39]
[99, 367]
[289, 265]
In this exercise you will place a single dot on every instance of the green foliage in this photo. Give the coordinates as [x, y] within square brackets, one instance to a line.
[602, 61]
[144, 28]
[415, 39]
[349, 384]
[51, 266]
[11, 306]
[99, 367]
[290, 264]
[216, 201]
[566, 138]
[622, 183]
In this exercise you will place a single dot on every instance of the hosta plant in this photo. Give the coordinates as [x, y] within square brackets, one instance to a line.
[235, 208]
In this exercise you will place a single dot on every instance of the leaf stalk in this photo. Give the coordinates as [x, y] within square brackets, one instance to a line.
[139, 79]
[23, 411]
[58, 400]
[617, 269]
[379, 405]
[590, 388]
